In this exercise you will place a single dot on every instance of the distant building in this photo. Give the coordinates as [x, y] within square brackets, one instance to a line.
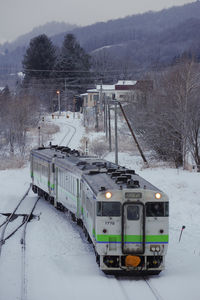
[123, 90]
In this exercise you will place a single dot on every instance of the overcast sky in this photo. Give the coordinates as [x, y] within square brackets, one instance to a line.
[21, 16]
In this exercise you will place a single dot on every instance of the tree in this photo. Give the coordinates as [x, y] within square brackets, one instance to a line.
[38, 65]
[194, 131]
[169, 123]
[73, 66]
[39, 59]
[16, 116]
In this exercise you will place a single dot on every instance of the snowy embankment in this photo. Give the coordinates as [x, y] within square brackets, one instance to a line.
[60, 264]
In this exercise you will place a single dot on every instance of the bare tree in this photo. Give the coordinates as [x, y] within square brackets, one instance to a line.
[168, 122]
[17, 116]
[194, 133]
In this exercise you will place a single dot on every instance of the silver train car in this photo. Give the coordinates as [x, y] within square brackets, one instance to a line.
[123, 216]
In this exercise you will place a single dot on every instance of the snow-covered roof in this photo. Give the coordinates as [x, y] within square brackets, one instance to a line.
[92, 91]
[105, 87]
[126, 82]
[21, 74]
[1, 88]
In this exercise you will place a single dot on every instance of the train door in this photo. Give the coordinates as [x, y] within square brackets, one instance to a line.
[49, 178]
[78, 198]
[56, 185]
[133, 228]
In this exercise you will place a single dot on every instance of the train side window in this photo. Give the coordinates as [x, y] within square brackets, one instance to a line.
[73, 186]
[109, 209]
[166, 209]
[133, 212]
[99, 205]
[70, 184]
[67, 180]
[157, 209]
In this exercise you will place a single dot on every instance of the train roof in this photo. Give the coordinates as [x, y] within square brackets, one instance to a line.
[105, 181]
[99, 173]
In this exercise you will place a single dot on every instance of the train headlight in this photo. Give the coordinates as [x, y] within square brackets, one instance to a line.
[155, 248]
[152, 248]
[158, 196]
[108, 195]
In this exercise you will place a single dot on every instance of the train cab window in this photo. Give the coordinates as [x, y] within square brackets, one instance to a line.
[133, 212]
[166, 209]
[109, 209]
[157, 209]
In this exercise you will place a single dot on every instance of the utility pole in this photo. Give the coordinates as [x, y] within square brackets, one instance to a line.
[74, 104]
[97, 119]
[86, 147]
[84, 115]
[109, 127]
[66, 94]
[116, 138]
[100, 98]
[133, 135]
[42, 132]
[39, 136]
[106, 116]
[58, 93]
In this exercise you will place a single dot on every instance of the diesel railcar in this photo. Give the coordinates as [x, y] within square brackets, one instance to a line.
[123, 215]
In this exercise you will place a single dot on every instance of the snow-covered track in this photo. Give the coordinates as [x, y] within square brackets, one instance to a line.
[123, 289]
[27, 216]
[23, 258]
[138, 285]
[8, 220]
[63, 141]
[153, 289]
[65, 136]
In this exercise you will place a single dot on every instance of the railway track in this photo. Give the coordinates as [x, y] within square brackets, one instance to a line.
[23, 257]
[66, 135]
[138, 286]
[153, 289]
[10, 217]
[4, 238]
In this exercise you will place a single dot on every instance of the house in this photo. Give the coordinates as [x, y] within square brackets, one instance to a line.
[129, 90]
[123, 90]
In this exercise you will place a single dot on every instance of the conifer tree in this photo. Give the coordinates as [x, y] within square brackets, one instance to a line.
[39, 59]
[73, 65]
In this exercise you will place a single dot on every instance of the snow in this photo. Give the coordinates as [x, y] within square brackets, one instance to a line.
[105, 87]
[60, 264]
[107, 47]
[126, 82]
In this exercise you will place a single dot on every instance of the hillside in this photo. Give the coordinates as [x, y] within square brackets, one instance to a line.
[11, 53]
[143, 40]
[50, 29]
[135, 27]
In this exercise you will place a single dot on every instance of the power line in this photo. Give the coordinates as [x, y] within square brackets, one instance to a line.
[69, 71]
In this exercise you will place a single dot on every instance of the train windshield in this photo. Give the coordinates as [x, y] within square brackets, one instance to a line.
[109, 209]
[157, 209]
[133, 212]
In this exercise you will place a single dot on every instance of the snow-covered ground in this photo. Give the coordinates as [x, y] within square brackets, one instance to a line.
[60, 264]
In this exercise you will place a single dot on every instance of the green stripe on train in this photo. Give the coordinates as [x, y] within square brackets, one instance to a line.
[157, 238]
[132, 238]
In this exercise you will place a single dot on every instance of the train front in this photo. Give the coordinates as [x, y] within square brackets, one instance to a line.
[131, 230]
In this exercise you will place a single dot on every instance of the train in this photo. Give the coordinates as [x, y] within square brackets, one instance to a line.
[125, 217]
